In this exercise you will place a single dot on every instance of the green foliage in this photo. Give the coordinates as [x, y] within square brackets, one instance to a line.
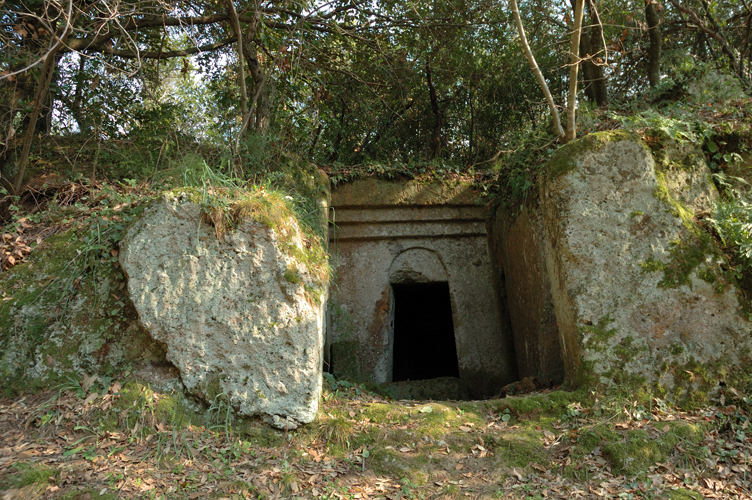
[537, 152]
[400, 89]
[426, 171]
[694, 79]
[679, 123]
[519, 169]
[676, 128]
[65, 308]
[220, 415]
[335, 384]
[732, 220]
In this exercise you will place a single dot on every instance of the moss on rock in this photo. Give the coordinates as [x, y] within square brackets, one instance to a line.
[65, 314]
[613, 219]
[565, 158]
[224, 209]
[367, 192]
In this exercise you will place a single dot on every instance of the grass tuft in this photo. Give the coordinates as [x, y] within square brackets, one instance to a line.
[336, 431]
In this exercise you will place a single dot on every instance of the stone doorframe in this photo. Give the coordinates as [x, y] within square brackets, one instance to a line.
[414, 265]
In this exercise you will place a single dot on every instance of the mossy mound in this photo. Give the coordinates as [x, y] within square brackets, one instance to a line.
[65, 313]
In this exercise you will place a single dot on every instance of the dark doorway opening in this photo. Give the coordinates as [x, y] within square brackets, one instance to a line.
[424, 345]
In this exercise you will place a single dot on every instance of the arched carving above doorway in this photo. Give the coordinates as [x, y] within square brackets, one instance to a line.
[417, 265]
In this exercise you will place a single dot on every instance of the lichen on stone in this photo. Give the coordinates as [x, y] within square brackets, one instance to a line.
[234, 310]
[636, 275]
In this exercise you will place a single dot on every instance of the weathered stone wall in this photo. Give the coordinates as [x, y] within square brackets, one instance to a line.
[237, 315]
[638, 289]
[517, 245]
[410, 232]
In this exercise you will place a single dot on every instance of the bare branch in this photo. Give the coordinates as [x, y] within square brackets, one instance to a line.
[534, 66]
[713, 34]
[56, 41]
[128, 54]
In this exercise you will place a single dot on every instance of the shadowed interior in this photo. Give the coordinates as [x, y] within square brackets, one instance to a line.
[424, 345]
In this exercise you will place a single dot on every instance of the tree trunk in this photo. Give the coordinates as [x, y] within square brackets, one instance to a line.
[12, 94]
[600, 89]
[745, 50]
[436, 142]
[45, 126]
[588, 66]
[263, 107]
[44, 84]
[259, 103]
[656, 39]
[472, 126]
[43, 87]
[338, 139]
[259, 108]
[76, 105]
[369, 144]
[230, 6]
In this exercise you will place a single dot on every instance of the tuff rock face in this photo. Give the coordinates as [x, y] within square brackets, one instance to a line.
[637, 285]
[234, 314]
[517, 246]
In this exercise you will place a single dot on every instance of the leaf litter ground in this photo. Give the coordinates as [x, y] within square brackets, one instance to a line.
[364, 446]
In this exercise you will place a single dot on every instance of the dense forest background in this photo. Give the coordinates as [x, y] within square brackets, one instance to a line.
[133, 86]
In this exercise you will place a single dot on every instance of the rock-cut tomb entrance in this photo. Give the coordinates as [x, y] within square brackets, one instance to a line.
[416, 295]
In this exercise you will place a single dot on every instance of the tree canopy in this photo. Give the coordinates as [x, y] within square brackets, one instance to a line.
[344, 82]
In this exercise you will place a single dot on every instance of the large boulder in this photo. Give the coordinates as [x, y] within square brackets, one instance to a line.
[638, 286]
[240, 316]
